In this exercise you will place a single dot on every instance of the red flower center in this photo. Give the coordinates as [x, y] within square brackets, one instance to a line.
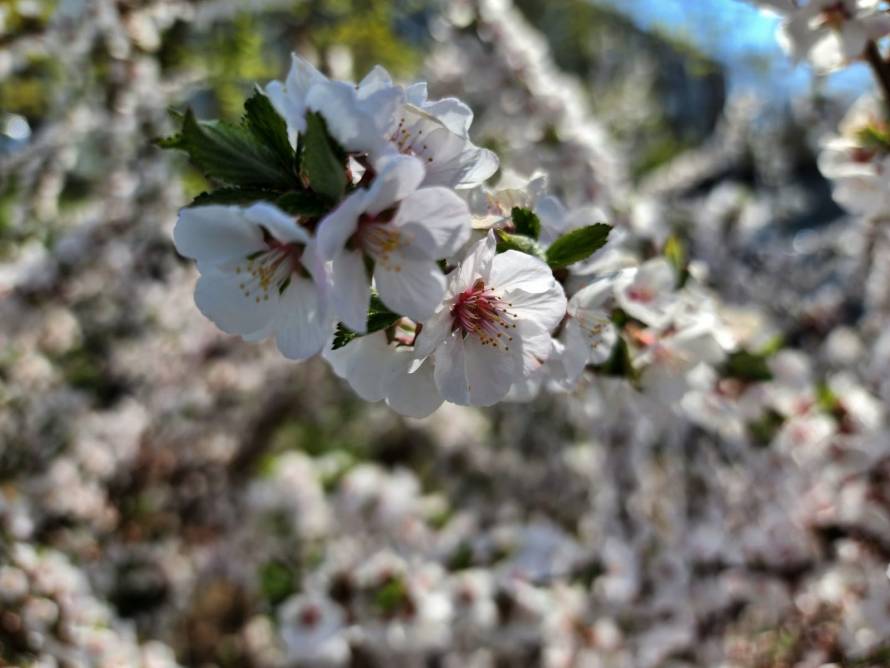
[478, 310]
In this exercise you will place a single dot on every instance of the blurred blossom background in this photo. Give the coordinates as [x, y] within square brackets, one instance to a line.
[170, 495]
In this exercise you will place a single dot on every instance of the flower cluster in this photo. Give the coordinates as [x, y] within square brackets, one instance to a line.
[830, 34]
[369, 235]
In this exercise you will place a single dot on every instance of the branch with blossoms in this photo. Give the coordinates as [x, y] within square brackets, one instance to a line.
[351, 221]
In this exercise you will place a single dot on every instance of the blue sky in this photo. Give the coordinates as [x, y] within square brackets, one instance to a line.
[741, 37]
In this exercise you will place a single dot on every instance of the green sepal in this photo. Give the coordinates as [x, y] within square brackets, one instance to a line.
[526, 222]
[519, 242]
[379, 317]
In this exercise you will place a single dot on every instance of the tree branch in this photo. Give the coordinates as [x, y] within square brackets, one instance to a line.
[881, 70]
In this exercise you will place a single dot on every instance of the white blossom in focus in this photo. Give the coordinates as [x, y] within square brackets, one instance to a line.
[260, 275]
[493, 327]
[404, 229]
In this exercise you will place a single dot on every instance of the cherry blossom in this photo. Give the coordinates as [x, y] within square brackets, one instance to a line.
[381, 369]
[832, 33]
[360, 117]
[403, 229]
[493, 326]
[260, 275]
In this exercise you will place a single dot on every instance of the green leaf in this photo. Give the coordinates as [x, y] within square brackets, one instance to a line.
[379, 317]
[240, 196]
[875, 137]
[392, 596]
[519, 242]
[269, 128]
[230, 154]
[321, 161]
[675, 253]
[303, 203]
[277, 581]
[577, 245]
[747, 366]
[526, 222]
[764, 429]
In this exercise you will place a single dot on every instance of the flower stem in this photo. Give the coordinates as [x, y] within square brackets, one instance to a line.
[881, 70]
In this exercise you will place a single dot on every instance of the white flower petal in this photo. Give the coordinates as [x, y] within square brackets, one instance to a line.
[351, 294]
[219, 297]
[346, 121]
[412, 394]
[397, 177]
[304, 325]
[365, 363]
[454, 114]
[476, 264]
[469, 373]
[435, 330]
[512, 269]
[412, 288]
[437, 220]
[216, 234]
[339, 225]
[282, 226]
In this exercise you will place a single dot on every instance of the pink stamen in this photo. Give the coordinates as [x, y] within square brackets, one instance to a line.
[480, 312]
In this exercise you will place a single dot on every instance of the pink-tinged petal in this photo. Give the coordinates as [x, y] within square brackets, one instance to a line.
[512, 269]
[280, 225]
[436, 219]
[304, 325]
[339, 225]
[412, 288]
[397, 177]
[350, 292]
[219, 297]
[412, 394]
[216, 234]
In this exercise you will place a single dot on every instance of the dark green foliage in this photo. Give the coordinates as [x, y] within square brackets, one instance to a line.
[379, 317]
[577, 245]
[747, 366]
[269, 128]
[322, 162]
[230, 154]
[526, 222]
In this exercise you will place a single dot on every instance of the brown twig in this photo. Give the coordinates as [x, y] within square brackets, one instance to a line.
[881, 70]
